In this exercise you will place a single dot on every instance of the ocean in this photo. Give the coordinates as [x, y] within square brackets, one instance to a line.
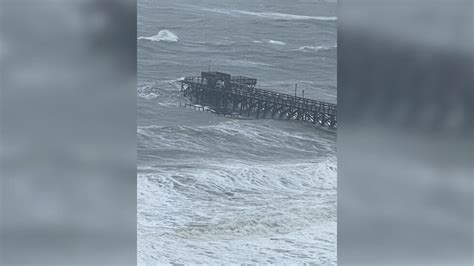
[217, 190]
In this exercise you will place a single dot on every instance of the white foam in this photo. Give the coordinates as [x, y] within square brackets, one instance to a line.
[276, 42]
[275, 15]
[317, 48]
[163, 35]
[210, 213]
[270, 15]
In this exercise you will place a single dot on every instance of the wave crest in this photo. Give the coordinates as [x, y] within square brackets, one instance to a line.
[284, 16]
[270, 15]
[163, 35]
[317, 48]
[276, 42]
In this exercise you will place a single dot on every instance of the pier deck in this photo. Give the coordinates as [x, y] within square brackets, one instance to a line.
[231, 95]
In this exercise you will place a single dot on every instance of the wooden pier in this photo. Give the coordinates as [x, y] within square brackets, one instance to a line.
[236, 95]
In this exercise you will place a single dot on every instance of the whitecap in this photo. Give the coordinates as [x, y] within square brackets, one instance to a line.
[270, 15]
[317, 48]
[163, 35]
[276, 42]
[284, 16]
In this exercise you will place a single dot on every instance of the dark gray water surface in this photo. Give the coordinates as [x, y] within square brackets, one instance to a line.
[219, 190]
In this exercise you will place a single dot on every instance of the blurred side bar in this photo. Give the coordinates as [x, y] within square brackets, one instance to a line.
[68, 131]
[405, 132]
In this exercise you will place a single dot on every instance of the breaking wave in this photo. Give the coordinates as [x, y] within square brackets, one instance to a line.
[167, 90]
[276, 42]
[270, 15]
[270, 42]
[163, 35]
[231, 180]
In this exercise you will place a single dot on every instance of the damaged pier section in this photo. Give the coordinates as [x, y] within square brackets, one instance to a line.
[237, 95]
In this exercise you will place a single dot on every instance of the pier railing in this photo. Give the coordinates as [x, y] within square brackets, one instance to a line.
[240, 92]
[273, 96]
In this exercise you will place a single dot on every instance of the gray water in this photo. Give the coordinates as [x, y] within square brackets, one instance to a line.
[217, 190]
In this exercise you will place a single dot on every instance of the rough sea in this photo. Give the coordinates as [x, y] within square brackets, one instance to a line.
[216, 190]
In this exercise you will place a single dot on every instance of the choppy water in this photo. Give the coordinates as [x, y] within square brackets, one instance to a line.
[215, 190]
